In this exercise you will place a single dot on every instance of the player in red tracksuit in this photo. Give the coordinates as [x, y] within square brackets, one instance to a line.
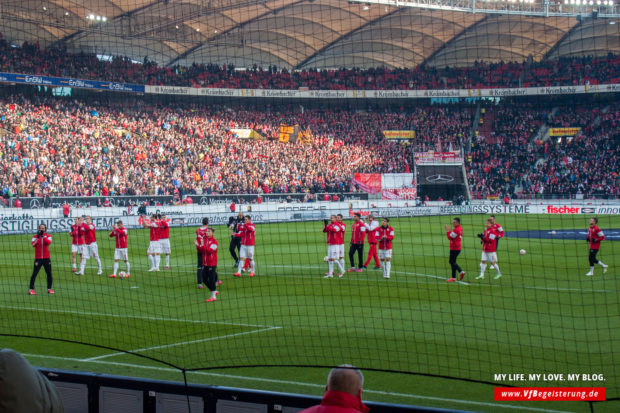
[333, 229]
[200, 233]
[248, 232]
[41, 242]
[120, 253]
[358, 234]
[207, 245]
[489, 250]
[371, 226]
[595, 236]
[455, 236]
[384, 236]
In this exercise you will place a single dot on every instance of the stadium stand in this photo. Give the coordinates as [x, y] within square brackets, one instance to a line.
[55, 61]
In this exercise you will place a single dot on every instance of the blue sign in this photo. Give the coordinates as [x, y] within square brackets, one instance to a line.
[67, 82]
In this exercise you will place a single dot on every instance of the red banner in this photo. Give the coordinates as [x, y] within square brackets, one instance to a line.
[370, 183]
[550, 393]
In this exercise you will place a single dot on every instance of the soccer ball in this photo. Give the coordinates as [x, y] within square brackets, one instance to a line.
[522, 252]
[122, 274]
[326, 258]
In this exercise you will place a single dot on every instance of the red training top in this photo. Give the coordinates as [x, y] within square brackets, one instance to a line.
[388, 233]
[121, 237]
[41, 245]
[455, 236]
[358, 232]
[595, 236]
[332, 231]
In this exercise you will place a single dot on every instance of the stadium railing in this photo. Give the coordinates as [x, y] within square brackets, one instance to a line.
[94, 393]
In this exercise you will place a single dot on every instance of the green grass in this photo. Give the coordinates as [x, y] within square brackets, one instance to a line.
[542, 316]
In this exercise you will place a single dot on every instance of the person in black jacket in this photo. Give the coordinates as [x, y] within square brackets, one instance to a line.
[235, 238]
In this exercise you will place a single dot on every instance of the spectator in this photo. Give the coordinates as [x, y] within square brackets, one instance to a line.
[23, 388]
[343, 392]
[66, 210]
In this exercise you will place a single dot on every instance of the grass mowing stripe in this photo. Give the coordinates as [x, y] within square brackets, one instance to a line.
[301, 384]
[136, 317]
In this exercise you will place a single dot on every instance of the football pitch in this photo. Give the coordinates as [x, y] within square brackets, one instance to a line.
[282, 329]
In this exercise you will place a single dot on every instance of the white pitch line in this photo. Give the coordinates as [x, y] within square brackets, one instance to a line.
[571, 290]
[137, 317]
[393, 272]
[297, 383]
[202, 340]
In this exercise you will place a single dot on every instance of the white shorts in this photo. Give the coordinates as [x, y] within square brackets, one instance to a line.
[489, 256]
[164, 245]
[154, 248]
[121, 254]
[333, 252]
[341, 251]
[75, 248]
[383, 254]
[93, 249]
[246, 251]
[83, 250]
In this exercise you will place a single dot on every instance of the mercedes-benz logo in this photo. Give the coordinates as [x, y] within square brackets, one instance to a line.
[204, 200]
[34, 203]
[439, 179]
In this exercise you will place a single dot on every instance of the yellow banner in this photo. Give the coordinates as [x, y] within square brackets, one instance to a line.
[399, 134]
[564, 131]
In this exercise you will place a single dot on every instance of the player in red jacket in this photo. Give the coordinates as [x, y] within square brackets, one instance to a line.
[343, 393]
[248, 232]
[455, 236]
[358, 235]
[489, 250]
[595, 236]
[207, 245]
[120, 253]
[333, 229]
[164, 238]
[41, 242]
[78, 235]
[384, 236]
[343, 227]
[90, 248]
[154, 250]
[500, 231]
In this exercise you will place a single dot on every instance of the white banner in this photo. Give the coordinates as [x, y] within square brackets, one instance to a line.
[382, 94]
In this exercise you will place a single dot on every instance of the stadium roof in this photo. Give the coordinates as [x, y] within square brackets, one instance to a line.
[299, 34]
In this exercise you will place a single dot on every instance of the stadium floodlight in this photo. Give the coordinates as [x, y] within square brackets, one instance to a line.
[542, 8]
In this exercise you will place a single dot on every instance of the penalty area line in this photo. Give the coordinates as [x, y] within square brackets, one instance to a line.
[202, 340]
[296, 383]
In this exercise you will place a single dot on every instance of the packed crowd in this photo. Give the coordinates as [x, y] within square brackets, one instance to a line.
[517, 162]
[68, 147]
[55, 61]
